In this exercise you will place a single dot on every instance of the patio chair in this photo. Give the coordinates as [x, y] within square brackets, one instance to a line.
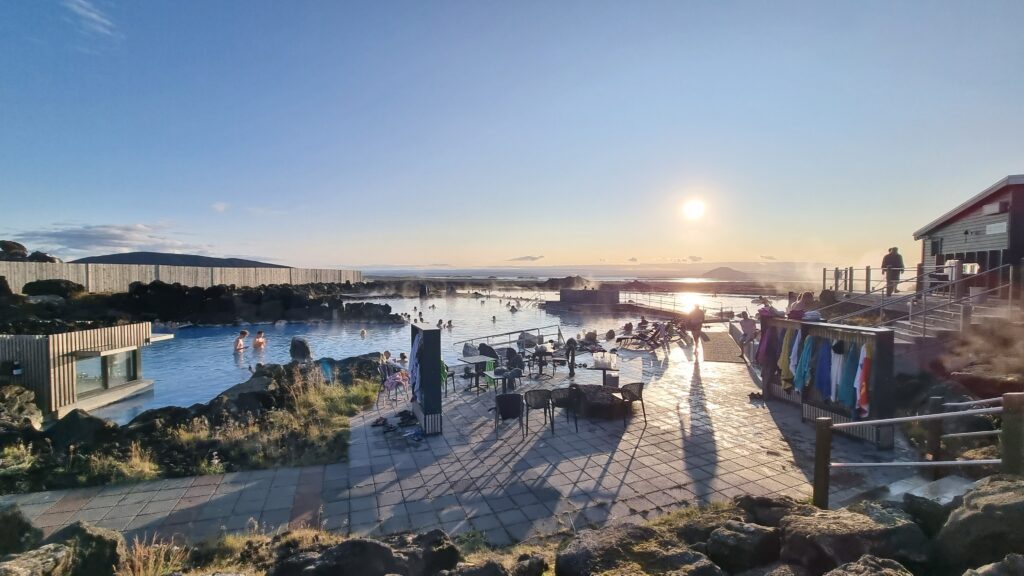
[384, 390]
[507, 407]
[515, 376]
[632, 392]
[539, 400]
[446, 375]
[567, 399]
[486, 350]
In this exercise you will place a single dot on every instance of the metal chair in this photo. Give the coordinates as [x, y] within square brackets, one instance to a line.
[539, 400]
[632, 392]
[507, 407]
[567, 399]
[446, 375]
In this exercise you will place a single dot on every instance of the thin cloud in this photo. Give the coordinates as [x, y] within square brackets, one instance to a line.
[695, 258]
[90, 19]
[633, 259]
[525, 259]
[763, 257]
[73, 240]
[220, 207]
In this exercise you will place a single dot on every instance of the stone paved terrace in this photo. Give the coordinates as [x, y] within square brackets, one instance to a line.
[704, 440]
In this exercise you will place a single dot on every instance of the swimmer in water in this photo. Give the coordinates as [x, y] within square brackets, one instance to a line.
[362, 333]
[449, 324]
[494, 318]
[240, 341]
[260, 342]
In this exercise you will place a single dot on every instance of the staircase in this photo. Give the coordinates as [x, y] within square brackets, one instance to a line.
[943, 491]
[940, 321]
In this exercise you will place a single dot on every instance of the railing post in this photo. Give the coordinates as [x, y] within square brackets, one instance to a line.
[867, 279]
[824, 279]
[835, 279]
[1012, 437]
[933, 438]
[822, 461]
[849, 279]
[924, 314]
[965, 317]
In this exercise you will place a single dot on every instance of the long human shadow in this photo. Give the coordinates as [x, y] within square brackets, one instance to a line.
[700, 450]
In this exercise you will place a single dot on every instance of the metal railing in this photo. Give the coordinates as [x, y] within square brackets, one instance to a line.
[667, 302]
[946, 296]
[1011, 440]
[503, 339]
[866, 280]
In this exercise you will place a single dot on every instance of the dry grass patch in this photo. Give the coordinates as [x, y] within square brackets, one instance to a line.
[136, 466]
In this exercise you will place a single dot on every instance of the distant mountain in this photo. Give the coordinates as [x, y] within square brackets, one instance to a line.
[726, 273]
[166, 259]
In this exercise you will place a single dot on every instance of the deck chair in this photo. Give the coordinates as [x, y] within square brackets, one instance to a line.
[507, 407]
[632, 392]
[568, 400]
[539, 400]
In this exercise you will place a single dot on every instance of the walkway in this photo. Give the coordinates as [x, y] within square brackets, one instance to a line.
[704, 440]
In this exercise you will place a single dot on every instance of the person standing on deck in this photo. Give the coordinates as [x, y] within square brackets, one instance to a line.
[696, 321]
[892, 266]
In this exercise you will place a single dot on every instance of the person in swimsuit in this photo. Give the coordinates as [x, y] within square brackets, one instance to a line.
[260, 342]
[240, 341]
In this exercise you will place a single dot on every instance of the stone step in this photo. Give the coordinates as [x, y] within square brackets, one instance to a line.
[944, 490]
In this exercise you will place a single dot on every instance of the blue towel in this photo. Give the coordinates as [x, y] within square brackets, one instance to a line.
[325, 367]
[823, 369]
[802, 376]
[847, 390]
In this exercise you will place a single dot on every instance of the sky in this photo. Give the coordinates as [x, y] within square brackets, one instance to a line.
[502, 133]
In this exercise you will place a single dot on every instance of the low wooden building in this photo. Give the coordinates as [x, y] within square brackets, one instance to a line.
[987, 229]
[82, 369]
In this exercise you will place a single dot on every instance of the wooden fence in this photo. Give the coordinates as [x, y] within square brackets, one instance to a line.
[117, 277]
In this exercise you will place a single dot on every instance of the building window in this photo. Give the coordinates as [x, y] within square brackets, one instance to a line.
[121, 369]
[97, 374]
[89, 375]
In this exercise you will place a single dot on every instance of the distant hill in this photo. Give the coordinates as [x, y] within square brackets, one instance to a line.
[726, 273]
[165, 259]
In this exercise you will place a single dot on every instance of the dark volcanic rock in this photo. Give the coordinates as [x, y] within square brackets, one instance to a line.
[987, 526]
[594, 551]
[777, 569]
[488, 568]
[79, 428]
[18, 408]
[527, 565]
[16, 531]
[48, 560]
[700, 527]
[38, 256]
[357, 556]
[830, 538]
[97, 551]
[62, 288]
[13, 250]
[871, 566]
[1012, 565]
[770, 510]
[739, 546]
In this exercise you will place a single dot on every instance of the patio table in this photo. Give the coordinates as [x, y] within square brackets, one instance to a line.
[477, 361]
[604, 373]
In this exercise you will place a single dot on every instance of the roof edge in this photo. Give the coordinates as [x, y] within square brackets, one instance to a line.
[1011, 180]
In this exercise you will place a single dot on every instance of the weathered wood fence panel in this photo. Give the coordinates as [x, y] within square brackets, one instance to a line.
[117, 277]
[33, 355]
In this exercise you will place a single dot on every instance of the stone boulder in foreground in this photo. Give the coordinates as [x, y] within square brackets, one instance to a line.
[871, 566]
[987, 526]
[624, 546]
[828, 539]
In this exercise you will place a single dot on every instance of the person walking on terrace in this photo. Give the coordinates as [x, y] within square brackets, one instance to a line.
[892, 265]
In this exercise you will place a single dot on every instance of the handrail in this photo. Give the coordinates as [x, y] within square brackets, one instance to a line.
[978, 434]
[998, 400]
[1012, 442]
[918, 418]
[923, 293]
[487, 338]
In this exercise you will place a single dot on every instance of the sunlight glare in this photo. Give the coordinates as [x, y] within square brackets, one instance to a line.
[693, 209]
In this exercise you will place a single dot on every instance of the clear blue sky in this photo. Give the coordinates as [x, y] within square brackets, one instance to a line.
[472, 133]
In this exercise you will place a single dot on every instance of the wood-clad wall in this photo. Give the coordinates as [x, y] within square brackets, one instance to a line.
[117, 277]
[61, 391]
[33, 355]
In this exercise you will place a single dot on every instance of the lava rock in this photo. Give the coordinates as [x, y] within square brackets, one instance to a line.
[931, 515]
[700, 526]
[770, 510]
[868, 565]
[53, 287]
[594, 551]
[18, 408]
[79, 428]
[48, 560]
[987, 526]
[830, 538]
[17, 534]
[739, 545]
[777, 569]
[38, 256]
[488, 568]
[358, 556]
[527, 565]
[97, 551]
[1012, 565]
[13, 249]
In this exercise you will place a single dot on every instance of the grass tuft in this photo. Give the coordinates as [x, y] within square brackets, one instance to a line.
[153, 558]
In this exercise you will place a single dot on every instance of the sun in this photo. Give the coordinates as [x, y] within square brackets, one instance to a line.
[693, 209]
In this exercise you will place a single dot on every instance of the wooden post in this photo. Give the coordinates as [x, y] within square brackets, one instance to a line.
[1012, 438]
[867, 279]
[849, 279]
[933, 438]
[822, 461]
[824, 279]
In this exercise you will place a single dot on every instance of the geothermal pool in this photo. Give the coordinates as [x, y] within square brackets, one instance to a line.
[200, 362]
